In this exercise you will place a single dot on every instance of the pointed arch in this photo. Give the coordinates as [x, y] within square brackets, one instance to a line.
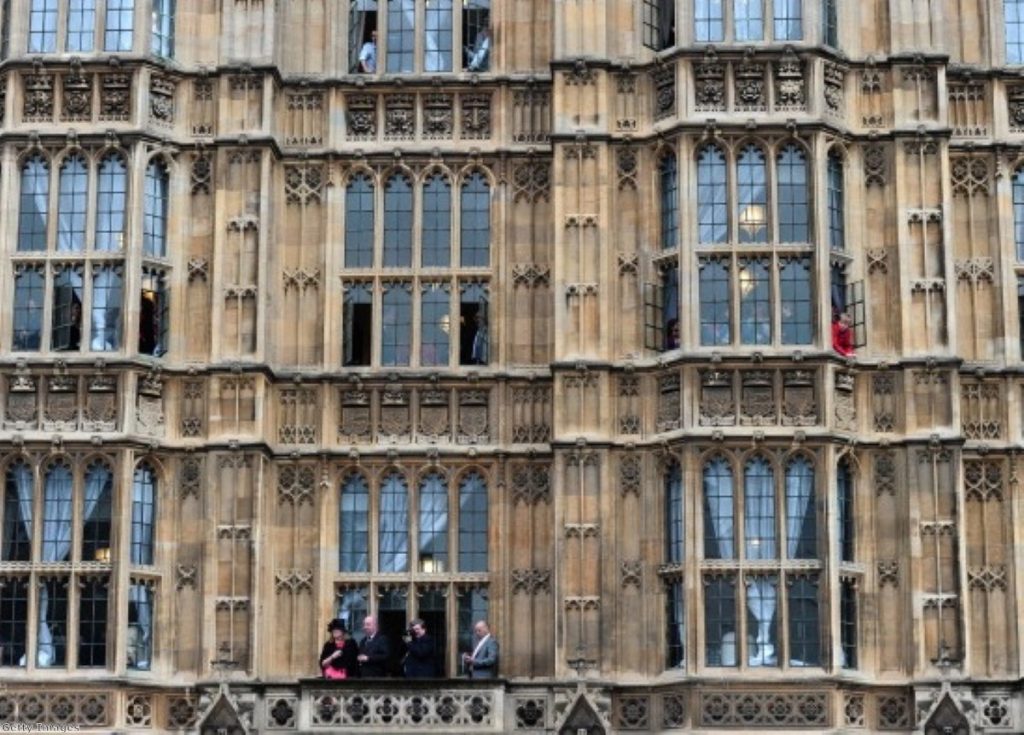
[354, 523]
[393, 531]
[474, 514]
[719, 508]
[436, 227]
[111, 202]
[712, 194]
[33, 203]
[144, 513]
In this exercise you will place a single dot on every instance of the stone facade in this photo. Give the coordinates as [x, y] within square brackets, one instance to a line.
[224, 161]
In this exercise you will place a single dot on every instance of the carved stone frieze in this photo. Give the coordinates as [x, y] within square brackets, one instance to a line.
[709, 75]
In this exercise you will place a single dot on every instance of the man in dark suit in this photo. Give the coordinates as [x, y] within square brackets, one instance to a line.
[374, 651]
[421, 659]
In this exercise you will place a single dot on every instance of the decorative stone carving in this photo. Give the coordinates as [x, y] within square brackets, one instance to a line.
[799, 403]
[202, 173]
[757, 398]
[303, 184]
[355, 424]
[981, 409]
[749, 85]
[530, 275]
[475, 116]
[789, 82]
[38, 96]
[531, 581]
[987, 579]
[473, 417]
[631, 572]
[61, 711]
[395, 421]
[875, 165]
[888, 573]
[709, 75]
[673, 711]
[835, 82]
[633, 712]
[717, 400]
[853, 710]
[974, 271]
[630, 475]
[752, 709]
[626, 167]
[387, 710]
[1015, 102]
[438, 117]
[669, 407]
[281, 712]
[530, 712]
[664, 81]
[983, 481]
[400, 117]
[434, 415]
[361, 116]
[878, 260]
[161, 99]
[845, 406]
[970, 176]
[76, 97]
[296, 484]
[139, 710]
[580, 75]
[531, 182]
[531, 115]
[885, 473]
[115, 96]
[531, 484]
[293, 581]
[532, 415]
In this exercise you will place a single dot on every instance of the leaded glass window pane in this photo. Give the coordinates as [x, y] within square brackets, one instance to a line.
[143, 515]
[720, 644]
[830, 23]
[140, 626]
[433, 518]
[97, 513]
[848, 623]
[755, 301]
[437, 47]
[359, 215]
[669, 188]
[81, 25]
[18, 499]
[154, 221]
[119, 25]
[105, 333]
[475, 221]
[795, 301]
[396, 324]
[804, 623]
[111, 200]
[719, 511]
[398, 222]
[762, 620]
[759, 510]
[752, 195]
[33, 204]
[1013, 16]
[14, 621]
[674, 515]
[92, 622]
[435, 324]
[29, 290]
[42, 26]
[354, 530]
[436, 239]
[393, 533]
[473, 524]
[708, 21]
[801, 519]
[52, 622]
[163, 28]
[712, 196]
[836, 204]
[675, 616]
[844, 492]
[56, 546]
[401, 35]
[788, 20]
[715, 302]
[748, 16]
[72, 203]
[794, 208]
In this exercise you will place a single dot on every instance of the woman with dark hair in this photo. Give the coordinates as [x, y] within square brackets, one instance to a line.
[338, 657]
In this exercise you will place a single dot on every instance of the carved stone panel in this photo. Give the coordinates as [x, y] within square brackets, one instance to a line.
[434, 421]
[355, 423]
[717, 398]
[757, 398]
[474, 417]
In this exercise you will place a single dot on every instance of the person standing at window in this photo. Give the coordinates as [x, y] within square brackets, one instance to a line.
[421, 658]
[482, 663]
[842, 334]
[338, 657]
[374, 651]
[368, 55]
[479, 56]
[479, 351]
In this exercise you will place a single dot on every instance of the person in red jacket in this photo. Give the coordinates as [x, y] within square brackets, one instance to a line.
[842, 334]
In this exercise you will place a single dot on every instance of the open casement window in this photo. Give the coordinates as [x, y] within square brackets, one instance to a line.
[474, 332]
[436, 323]
[140, 625]
[362, 25]
[357, 318]
[476, 34]
[849, 298]
[67, 309]
[154, 314]
[659, 24]
[661, 310]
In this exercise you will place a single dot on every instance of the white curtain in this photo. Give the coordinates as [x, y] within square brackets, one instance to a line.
[394, 525]
[761, 601]
[56, 545]
[438, 36]
[799, 503]
[141, 597]
[759, 510]
[718, 495]
[23, 485]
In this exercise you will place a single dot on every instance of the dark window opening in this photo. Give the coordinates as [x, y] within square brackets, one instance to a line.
[654, 307]
[830, 23]
[476, 34]
[762, 620]
[659, 24]
[474, 336]
[97, 514]
[393, 623]
[140, 626]
[18, 499]
[804, 624]
[432, 608]
[358, 324]
[67, 310]
[674, 616]
[848, 623]
[670, 296]
[720, 621]
[844, 491]
[92, 623]
[153, 316]
[362, 37]
[13, 621]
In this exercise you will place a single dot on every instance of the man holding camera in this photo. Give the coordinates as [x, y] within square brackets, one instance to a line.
[421, 658]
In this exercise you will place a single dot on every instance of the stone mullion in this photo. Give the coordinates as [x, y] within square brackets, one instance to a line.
[8, 237]
[262, 328]
[950, 300]
[1005, 263]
